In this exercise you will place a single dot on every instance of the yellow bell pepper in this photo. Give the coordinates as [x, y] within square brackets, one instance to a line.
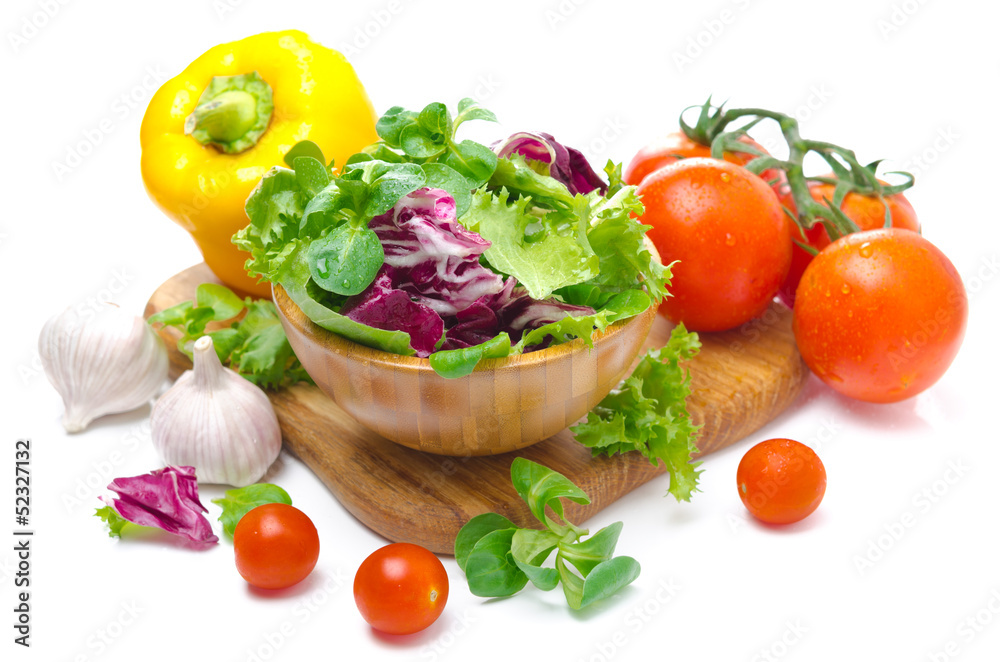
[211, 133]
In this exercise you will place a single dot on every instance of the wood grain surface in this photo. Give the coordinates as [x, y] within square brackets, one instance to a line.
[741, 379]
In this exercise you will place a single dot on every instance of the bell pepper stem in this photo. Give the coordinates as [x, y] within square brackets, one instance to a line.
[232, 113]
[226, 118]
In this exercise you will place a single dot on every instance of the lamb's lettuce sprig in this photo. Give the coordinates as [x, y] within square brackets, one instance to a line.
[499, 558]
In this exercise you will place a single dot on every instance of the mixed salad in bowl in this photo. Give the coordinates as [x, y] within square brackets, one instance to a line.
[430, 246]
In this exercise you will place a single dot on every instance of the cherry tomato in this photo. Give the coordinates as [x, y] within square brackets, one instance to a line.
[880, 315]
[276, 546]
[730, 235]
[401, 588]
[867, 212]
[781, 481]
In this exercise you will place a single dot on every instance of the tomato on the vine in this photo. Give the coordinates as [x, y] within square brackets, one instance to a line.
[880, 315]
[781, 481]
[676, 146]
[728, 232]
[401, 588]
[276, 546]
[867, 212]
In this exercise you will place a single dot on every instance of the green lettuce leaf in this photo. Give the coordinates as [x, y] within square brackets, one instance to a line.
[543, 250]
[238, 502]
[626, 263]
[525, 179]
[274, 207]
[647, 413]
[114, 521]
[255, 346]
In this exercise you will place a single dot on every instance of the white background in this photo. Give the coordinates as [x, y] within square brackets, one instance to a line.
[911, 82]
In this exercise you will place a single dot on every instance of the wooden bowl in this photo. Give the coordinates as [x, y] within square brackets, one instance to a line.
[504, 405]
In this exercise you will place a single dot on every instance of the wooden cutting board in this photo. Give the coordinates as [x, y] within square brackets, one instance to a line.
[740, 380]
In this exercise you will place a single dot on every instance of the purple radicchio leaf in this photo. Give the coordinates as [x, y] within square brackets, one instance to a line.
[434, 258]
[566, 164]
[511, 310]
[166, 499]
[383, 306]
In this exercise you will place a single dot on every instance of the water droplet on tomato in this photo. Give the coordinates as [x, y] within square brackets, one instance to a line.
[730, 240]
[846, 289]
[866, 249]
[725, 177]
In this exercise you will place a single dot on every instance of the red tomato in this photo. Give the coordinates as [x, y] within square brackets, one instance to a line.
[276, 546]
[867, 212]
[676, 146]
[672, 148]
[880, 315]
[727, 229]
[401, 588]
[781, 481]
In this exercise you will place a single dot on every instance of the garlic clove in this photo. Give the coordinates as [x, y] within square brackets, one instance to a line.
[101, 362]
[216, 421]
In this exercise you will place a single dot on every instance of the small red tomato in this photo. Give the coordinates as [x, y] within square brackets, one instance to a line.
[729, 235]
[880, 315]
[781, 481]
[401, 588]
[276, 546]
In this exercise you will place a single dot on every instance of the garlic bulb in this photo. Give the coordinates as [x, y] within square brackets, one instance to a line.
[217, 422]
[101, 362]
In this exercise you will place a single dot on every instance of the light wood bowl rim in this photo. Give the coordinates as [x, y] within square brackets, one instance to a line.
[341, 345]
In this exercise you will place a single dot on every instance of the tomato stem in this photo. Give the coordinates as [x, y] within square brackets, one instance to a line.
[849, 175]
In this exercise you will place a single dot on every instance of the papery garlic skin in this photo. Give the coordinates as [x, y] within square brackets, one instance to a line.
[101, 362]
[216, 421]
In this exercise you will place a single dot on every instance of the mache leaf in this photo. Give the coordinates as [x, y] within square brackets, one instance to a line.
[490, 568]
[541, 487]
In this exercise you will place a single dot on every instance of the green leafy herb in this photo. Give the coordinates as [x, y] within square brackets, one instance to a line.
[347, 260]
[114, 521]
[460, 362]
[304, 148]
[647, 413]
[429, 136]
[499, 559]
[237, 503]
[255, 346]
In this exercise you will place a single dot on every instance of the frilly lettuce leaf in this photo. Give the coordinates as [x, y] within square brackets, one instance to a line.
[543, 250]
[647, 413]
[238, 502]
[616, 235]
